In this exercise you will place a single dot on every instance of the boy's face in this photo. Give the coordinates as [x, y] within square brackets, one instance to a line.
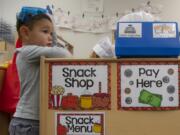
[40, 34]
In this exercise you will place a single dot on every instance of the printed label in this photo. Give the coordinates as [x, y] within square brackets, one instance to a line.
[164, 30]
[133, 30]
[149, 86]
[80, 123]
[80, 87]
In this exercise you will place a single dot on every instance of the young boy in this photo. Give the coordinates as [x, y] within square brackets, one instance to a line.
[35, 29]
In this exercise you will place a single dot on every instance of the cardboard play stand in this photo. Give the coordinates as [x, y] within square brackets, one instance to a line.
[109, 96]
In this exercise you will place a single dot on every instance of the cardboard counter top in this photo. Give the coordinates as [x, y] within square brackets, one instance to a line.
[90, 96]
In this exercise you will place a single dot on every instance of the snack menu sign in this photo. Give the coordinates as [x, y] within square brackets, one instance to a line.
[88, 83]
[148, 86]
[79, 123]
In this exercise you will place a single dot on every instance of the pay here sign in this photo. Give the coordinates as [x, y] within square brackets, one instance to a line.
[151, 86]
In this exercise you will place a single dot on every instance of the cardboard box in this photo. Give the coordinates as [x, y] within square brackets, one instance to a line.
[2, 76]
[2, 46]
[4, 56]
[4, 123]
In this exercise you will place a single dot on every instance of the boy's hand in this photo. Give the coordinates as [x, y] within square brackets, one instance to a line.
[65, 44]
[70, 48]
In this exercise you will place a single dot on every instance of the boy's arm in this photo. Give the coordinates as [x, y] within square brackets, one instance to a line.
[33, 53]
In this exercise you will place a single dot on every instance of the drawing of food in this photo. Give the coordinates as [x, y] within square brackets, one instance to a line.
[101, 100]
[97, 128]
[56, 95]
[62, 130]
[70, 101]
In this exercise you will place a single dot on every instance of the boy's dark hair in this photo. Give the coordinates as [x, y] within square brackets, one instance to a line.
[31, 21]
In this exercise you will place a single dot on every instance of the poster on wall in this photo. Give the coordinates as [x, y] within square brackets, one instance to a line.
[148, 87]
[79, 86]
[92, 6]
[79, 123]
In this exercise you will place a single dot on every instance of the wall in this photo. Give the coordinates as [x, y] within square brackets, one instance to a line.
[83, 42]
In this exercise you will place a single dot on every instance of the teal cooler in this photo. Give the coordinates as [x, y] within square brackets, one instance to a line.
[147, 39]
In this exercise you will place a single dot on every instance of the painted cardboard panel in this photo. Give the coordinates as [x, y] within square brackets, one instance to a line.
[79, 86]
[79, 123]
[148, 86]
[116, 121]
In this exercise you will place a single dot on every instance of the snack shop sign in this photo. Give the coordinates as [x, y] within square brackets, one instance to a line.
[80, 79]
[149, 86]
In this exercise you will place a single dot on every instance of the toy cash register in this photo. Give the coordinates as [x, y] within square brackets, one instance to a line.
[147, 39]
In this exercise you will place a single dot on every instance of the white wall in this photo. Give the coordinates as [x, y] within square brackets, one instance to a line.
[83, 42]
